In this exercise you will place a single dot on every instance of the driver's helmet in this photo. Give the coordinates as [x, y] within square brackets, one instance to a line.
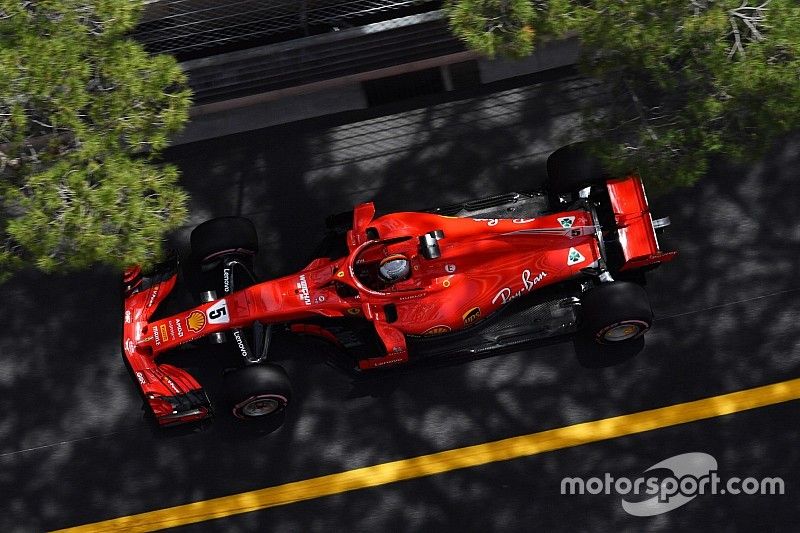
[394, 268]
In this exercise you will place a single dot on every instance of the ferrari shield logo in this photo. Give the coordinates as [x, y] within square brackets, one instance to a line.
[566, 222]
[574, 257]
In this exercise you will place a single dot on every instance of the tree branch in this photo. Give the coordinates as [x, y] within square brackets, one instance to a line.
[737, 44]
[640, 110]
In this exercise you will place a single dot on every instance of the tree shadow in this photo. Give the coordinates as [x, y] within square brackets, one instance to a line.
[726, 320]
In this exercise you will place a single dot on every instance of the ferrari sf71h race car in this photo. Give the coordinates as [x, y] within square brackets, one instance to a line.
[466, 278]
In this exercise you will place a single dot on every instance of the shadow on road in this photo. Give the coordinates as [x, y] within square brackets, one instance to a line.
[74, 448]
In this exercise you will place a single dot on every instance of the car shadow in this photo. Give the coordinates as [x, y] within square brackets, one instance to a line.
[593, 355]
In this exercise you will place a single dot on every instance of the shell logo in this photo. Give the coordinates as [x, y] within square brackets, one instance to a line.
[196, 321]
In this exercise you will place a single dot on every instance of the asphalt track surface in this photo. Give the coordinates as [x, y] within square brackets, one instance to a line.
[75, 450]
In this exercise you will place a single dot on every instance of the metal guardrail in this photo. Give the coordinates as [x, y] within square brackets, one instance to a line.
[322, 57]
[339, 69]
[202, 27]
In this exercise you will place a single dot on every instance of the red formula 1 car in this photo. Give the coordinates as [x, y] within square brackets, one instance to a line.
[466, 278]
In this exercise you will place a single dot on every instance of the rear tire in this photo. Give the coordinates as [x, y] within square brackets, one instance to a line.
[257, 392]
[616, 312]
[224, 235]
[340, 222]
[571, 168]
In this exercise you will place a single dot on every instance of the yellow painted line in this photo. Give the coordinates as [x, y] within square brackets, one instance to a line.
[446, 461]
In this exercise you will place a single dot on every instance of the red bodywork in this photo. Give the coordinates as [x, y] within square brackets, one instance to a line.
[484, 264]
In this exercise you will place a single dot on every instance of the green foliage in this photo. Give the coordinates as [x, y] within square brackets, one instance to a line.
[84, 112]
[112, 210]
[494, 27]
[690, 79]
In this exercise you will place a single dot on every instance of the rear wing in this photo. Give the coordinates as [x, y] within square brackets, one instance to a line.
[637, 235]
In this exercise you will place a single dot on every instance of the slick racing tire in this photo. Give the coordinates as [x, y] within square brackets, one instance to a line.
[616, 312]
[225, 235]
[571, 168]
[257, 392]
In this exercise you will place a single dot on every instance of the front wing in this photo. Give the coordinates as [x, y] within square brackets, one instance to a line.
[171, 394]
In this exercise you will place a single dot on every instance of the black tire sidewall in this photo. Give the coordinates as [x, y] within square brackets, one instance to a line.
[599, 336]
[263, 380]
[614, 304]
[224, 235]
[571, 168]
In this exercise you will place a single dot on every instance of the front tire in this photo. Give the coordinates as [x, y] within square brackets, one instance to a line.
[616, 312]
[257, 392]
[224, 235]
